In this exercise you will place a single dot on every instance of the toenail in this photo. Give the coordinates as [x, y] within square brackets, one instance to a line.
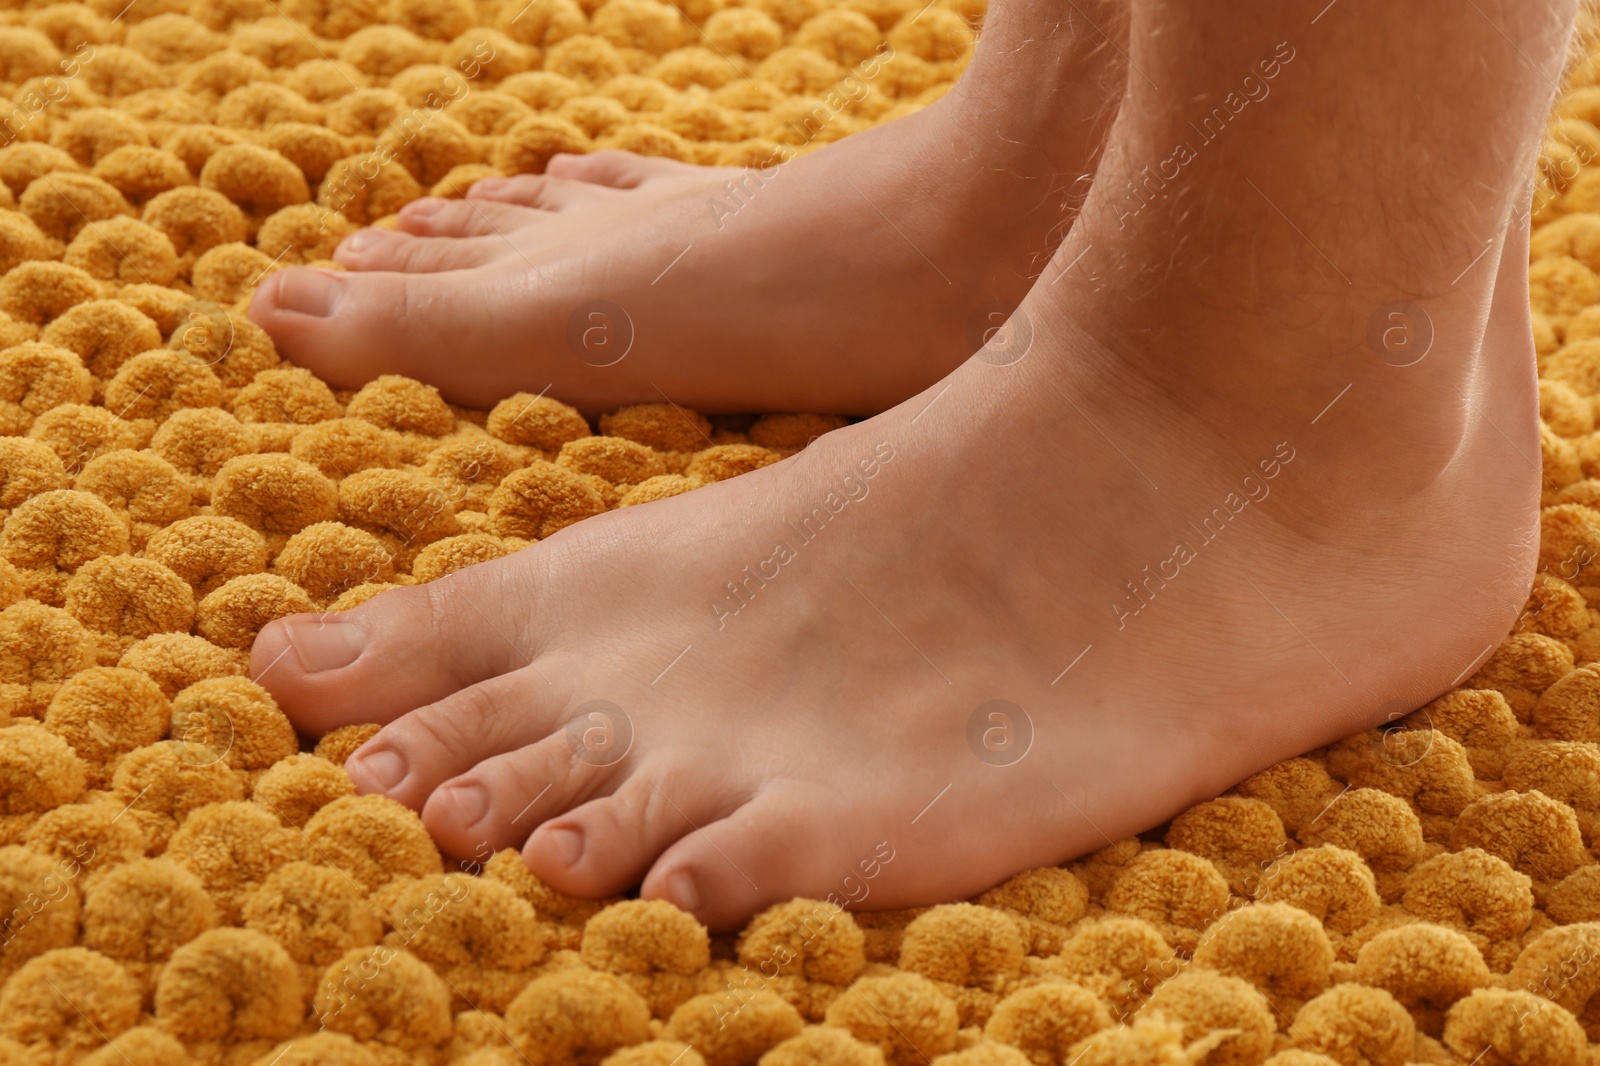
[569, 843]
[362, 240]
[472, 801]
[385, 769]
[324, 642]
[490, 185]
[682, 892]
[424, 208]
[307, 292]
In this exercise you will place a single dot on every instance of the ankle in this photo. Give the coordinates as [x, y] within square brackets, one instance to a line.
[1399, 403]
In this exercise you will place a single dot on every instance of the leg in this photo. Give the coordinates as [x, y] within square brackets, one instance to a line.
[1186, 533]
[944, 214]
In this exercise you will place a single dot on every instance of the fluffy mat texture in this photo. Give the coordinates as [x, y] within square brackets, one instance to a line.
[181, 882]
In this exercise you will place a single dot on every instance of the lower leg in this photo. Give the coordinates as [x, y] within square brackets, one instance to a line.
[1378, 164]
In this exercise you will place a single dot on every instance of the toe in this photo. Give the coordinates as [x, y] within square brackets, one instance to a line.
[376, 248]
[606, 845]
[452, 738]
[619, 169]
[406, 648]
[349, 327]
[544, 192]
[433, 217]
[503, 799]
[783, 843]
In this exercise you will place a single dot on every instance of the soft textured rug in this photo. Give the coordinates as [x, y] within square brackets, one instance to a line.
[181, 882]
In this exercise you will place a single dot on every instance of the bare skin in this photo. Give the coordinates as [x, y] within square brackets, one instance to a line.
[1206, 356]
[896, 242]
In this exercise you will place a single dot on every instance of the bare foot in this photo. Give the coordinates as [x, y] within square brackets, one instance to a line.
[1188, 516]
[843, 281]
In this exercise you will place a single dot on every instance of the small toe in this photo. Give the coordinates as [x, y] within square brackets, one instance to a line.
[503, 799]
[433, 217]
[487, 735]
[607, 845]
[404, 649]
[542, 192]
[376, 248]
[785, 842]
[619, 169]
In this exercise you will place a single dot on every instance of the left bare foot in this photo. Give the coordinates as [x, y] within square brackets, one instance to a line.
[843, 281]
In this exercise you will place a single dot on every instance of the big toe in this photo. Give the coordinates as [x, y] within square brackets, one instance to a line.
[349, 328]
[404, 649]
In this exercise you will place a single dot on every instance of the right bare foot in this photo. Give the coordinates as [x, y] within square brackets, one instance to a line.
[849, 279]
